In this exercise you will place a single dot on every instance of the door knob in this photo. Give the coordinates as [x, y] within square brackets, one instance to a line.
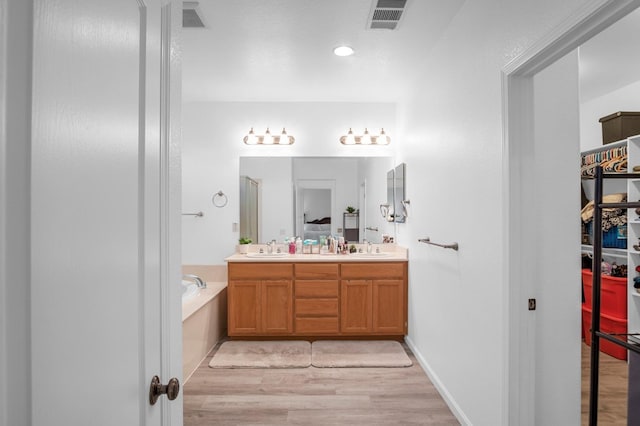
[171, 389]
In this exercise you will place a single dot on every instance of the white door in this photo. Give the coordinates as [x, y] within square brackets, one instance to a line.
[104, 190]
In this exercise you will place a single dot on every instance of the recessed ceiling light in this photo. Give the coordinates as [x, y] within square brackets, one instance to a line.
[343, 51]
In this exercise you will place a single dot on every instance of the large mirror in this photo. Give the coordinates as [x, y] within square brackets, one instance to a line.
[310, 197]
[399, 198]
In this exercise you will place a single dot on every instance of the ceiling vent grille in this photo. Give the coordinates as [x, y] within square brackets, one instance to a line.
[386, 14]
[191, 15]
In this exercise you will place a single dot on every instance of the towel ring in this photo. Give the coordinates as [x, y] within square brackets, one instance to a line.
[219, 199]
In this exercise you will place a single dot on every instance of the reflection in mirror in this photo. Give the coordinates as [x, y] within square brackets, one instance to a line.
[386, 209]
[307, 196]
[400, 213]
[249, 189]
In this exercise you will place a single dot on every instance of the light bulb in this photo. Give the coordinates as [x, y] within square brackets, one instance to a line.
[383, 139]
[284, 138]
[366, 138]
[343, 51]
[250, 139]
[350, 139]
[268, 139]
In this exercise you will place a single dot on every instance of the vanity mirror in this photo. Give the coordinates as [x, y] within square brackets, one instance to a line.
[308, 196]
[395, 209]
[399, 199]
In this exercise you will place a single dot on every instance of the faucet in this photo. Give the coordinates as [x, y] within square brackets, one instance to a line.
[196, 279]
[369, 246]
[270, 246]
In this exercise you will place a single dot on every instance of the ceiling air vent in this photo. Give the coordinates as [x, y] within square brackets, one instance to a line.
[191, 15]
[386, 14]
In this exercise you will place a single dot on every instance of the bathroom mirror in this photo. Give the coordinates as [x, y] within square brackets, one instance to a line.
[298, 195]
[399, 208]
[386, 209]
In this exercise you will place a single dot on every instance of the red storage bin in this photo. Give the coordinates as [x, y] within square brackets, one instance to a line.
[613, 294]
[608, 325]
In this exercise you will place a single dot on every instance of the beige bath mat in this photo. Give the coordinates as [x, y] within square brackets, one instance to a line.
[259, 354]
[358, 353]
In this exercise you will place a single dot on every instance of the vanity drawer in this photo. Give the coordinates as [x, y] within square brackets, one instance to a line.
[318, 289]
[260, 271]
[373, 270]
[321, 325]
[316, 270]
[317, 307]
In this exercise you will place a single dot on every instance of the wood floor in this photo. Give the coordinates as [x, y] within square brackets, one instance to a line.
[612, 398]
[313, 396]
[372, 396]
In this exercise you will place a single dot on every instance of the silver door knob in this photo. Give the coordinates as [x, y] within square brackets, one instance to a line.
[171, 389]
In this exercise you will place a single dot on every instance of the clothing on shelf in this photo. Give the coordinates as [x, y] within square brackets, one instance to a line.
[610, 216]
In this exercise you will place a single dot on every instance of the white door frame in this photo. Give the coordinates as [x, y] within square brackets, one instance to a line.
[16, 25]
[517, 84]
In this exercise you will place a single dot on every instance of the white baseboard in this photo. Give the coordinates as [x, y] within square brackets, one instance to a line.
[448, 399]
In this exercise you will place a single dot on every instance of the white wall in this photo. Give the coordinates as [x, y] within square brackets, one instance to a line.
[624, 99]
[451, 132]
[212, 146]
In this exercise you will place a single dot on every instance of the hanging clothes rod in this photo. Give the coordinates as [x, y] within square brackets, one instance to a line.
[199, 214]
[453, 246]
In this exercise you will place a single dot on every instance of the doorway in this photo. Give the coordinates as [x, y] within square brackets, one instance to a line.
[532, 336]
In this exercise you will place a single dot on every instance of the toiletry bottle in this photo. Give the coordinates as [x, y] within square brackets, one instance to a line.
[298, 245]
[292, 246]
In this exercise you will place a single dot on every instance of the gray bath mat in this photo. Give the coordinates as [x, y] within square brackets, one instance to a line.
[358, 353]
[262, 354]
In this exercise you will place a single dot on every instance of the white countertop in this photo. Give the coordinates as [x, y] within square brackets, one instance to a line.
[388, 253]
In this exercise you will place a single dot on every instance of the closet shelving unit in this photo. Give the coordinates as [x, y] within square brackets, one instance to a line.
[631, 339]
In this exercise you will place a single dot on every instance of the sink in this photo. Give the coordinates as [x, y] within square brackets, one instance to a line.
[263, 255]
[381, 254]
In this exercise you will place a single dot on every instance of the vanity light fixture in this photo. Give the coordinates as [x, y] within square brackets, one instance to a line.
[365, 139]
[268, 139]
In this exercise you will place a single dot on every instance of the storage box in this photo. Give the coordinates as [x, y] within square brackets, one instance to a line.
[620, 125]
[613, 294]
[607, 325]
[616, 237]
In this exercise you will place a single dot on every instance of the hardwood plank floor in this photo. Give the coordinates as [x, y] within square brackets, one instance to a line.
[613, 384]
[326, 396]
[314, 396]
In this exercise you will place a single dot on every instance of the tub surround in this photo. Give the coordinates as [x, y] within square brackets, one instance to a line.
[318, 296]
[204, 316]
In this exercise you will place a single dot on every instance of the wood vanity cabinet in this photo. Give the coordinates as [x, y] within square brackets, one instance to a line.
[317, 290]
[260, 299]
[373, 298]
[317, 299]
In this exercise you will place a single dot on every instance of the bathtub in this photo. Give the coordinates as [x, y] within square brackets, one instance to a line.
[204, 321]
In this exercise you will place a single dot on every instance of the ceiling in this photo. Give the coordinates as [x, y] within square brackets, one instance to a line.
[282, 50]
[611, 59]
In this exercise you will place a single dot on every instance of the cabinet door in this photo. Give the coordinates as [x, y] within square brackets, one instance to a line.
[277, 307]
[355, 304]
[388, 306]
[244, 307]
